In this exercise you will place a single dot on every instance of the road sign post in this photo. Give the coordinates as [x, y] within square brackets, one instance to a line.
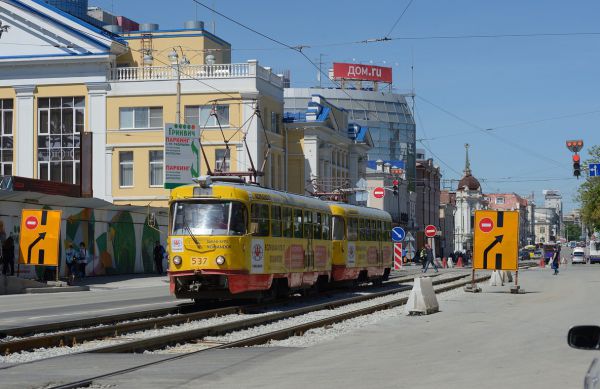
[398, 234]
[496, 241]
[40, 238]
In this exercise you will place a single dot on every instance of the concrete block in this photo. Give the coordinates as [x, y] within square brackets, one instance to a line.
[507, 276]
[16, 285]
[422, 299]
[450, 263]
[496, 279]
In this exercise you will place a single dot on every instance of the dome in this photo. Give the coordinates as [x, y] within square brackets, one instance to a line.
[469, 181]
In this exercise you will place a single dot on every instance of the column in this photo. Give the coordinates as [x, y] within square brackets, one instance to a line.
[108, 158]
[25, 131]
[97, 126]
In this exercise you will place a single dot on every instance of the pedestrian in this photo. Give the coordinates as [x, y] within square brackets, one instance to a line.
[556, 260]
[430, 260]
[159, 252]
[71, 259]
[423, 256]
[82, 259]
[7, 252]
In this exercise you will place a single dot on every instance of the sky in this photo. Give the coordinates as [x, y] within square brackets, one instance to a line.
[515, 100]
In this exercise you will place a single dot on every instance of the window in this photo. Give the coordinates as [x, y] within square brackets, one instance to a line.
[208, 218]
[200, 115]
[326, 227]
[60, 124]
[353, 229]
[156, 167]
[275, 221]
[140, 118]
[308, 221]
[339, 228]
[318, 226]
[275, 122]
[221, 160]
[297, 223]
[125, 169]
[6, 137]
[499, 200]
[259, 220]
[542, 230]
[288, 223]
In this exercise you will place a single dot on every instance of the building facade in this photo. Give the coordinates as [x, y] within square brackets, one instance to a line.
[447, 214]
[428, 199]
[321, 155]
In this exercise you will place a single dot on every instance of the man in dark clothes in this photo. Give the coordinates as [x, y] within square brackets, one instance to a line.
[159, 252]
[8, 256]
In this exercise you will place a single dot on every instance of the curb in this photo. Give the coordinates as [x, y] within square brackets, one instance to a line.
[61, 289]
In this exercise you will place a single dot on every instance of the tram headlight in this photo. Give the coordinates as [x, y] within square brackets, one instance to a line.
[220, 260]
[177, 260]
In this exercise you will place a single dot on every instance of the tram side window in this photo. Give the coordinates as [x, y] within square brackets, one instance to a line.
[297, 223]
[275, 220]
[353, 229]
[318, 226]
[307, 224]
[382, 230]
[374, 230]
[260, 219]
[339, 228]
[362, 230]
[326, 227]
[288, 223]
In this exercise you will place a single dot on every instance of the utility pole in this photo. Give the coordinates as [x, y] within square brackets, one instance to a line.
[177, 63]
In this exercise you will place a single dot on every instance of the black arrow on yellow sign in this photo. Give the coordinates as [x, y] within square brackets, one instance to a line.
[498, 256]
[32, 245]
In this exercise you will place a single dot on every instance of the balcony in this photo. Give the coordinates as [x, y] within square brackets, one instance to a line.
[251, 69]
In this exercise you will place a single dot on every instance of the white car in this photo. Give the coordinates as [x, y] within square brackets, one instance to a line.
[578, 256]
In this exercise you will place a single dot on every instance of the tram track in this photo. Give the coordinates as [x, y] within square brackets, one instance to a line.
[113, 326]
[279, 334]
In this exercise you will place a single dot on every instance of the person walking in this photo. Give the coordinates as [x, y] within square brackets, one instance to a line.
[8, 256]
[423, 256]
[82, 259]
[159, 253]
[71, 260]
[556, 260]
[430, 259]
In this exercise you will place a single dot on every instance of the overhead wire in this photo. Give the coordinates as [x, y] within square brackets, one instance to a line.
[399, 17]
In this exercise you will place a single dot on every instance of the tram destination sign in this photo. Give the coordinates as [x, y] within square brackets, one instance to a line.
[182, 154]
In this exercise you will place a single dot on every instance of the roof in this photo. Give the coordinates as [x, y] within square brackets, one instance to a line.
[470, 182]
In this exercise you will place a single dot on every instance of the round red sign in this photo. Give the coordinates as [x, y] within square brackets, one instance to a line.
[486, 224]
[430, 231]
[379, 192]
[31, 222]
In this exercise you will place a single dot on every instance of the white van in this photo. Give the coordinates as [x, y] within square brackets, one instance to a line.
[578, 255]
[594, 251]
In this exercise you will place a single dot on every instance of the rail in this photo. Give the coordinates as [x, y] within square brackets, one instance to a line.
[189, 72]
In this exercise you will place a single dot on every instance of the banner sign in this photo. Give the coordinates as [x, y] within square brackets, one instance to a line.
[353, 71]
[182, 154]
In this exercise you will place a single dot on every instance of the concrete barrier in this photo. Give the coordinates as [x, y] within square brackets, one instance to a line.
[496, 279]
[450, 263]
[507, 276]
[422, 299]
[16, 285]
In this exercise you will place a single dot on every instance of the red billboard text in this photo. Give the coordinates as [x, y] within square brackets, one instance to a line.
[352, 71]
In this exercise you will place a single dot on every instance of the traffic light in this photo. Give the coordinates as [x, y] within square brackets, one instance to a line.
[576, 165]
[395, 187]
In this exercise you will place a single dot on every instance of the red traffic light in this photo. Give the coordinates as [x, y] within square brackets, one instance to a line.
[576, 158]
[395, 182]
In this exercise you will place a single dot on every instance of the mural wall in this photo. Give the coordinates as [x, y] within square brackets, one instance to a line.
[118, 241]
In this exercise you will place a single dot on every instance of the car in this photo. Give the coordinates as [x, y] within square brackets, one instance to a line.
[578, 256]
[537, 254]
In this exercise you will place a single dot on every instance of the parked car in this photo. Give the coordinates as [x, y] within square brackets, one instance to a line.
[537, 254]
[578, 256]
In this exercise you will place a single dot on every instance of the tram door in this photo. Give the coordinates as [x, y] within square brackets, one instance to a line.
[309, 254]
[381, 235]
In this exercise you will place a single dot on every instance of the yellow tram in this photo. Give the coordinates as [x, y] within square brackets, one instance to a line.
[237, 240]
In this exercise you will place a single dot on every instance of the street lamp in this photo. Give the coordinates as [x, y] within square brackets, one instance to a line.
[176, 63]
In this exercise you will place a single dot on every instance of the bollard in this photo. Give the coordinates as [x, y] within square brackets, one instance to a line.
[542, 263]
[444, 262]
[450, 263]
[459, 263]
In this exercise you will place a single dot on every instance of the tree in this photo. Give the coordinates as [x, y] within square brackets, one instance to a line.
[589, 194]
[573, 231]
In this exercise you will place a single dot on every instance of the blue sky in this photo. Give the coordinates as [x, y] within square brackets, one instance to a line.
[500, 84]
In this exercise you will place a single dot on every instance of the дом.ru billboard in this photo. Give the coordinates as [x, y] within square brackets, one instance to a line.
[353, 71]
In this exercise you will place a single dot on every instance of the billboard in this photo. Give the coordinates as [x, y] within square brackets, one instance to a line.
[353, 71]
[182, 154]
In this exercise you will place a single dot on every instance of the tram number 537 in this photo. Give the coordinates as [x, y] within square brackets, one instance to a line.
[199, 261]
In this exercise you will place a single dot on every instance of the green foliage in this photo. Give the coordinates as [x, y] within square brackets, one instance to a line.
[589, 194]
[573, 231]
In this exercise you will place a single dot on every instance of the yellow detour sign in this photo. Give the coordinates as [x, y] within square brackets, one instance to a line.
[496, 240]
[40, 237]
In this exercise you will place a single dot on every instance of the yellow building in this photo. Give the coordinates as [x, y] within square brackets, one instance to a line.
[82, 106]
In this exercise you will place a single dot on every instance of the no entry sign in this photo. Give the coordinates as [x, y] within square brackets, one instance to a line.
[486, 224]
[379, 192]
[430, 231]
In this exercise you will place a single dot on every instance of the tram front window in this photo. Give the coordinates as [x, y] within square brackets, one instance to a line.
[208, 218]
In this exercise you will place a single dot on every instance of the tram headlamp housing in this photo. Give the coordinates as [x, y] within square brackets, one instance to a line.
[177, 260]
[220, 260]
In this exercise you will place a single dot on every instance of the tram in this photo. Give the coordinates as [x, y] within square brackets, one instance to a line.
[229, 239]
